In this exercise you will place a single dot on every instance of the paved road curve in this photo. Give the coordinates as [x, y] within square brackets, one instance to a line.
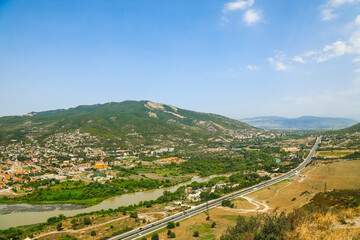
[149, 228]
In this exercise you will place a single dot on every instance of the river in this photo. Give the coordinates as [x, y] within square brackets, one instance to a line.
[13, 215]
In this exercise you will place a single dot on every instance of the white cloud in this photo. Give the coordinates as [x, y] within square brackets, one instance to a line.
[356, 60]
[238, 4]
[298, 59]
[310, 53]
[252, 67]
[337, 3]
[335, 49]
[357, 20]
[328, 8]
[327, 14]
[251, 16]
[354, 43]
[277, 62]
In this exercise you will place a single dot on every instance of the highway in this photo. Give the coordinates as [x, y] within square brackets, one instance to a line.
[152, 227]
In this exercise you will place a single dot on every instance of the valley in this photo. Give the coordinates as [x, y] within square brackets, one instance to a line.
[76, 174]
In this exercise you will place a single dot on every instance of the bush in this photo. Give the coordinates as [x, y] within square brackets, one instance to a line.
[261, 227]
[171, 225]
[59, 226]
[226, 203]
[177, 224]
[168, 232]
[155, 237]
[93, 233]
[207, 218]
[133, 215]
[87, 221]
[172, 235]
[213, 225]
[196, 234]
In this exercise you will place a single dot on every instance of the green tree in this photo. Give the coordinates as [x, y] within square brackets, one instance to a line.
[93, 233]
[133, 215]
[59, 226]
[155, 237]
[213, 225]
[171, 225]
[172, 235]
[87, 221]
[196, 234]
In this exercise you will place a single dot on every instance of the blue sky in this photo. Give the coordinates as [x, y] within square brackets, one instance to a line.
[236, 58]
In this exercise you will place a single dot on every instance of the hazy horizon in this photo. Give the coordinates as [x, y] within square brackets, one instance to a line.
[240, 59]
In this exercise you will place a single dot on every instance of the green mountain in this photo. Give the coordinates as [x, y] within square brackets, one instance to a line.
[306, 122]
[128, 123]
[352, 129]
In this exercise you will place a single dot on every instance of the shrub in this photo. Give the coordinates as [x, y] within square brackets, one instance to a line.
[155, 237]
[196, 234]
[171, 225]
[93, 233]
[172, 235]
[59, 226]
[213, 225]
[133, 215]
[87, 221]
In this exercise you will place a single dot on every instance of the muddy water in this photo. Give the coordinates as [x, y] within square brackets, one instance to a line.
[13, 215]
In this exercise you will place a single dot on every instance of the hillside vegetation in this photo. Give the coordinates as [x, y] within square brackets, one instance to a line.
[128, 123]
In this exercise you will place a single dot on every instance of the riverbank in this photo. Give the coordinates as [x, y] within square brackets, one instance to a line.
[14, 219]
[87, 202]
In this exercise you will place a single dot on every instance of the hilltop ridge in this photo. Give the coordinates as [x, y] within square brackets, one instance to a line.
[128, 123]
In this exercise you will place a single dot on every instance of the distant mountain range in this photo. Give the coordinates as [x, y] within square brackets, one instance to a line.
[128, 124]
[305, 123]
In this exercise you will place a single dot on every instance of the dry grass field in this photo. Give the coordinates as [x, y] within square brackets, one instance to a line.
[284, 196]
[334, 154]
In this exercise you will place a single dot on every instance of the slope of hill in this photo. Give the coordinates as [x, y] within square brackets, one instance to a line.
[129, 123]
[354, 128]
[306, 122]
